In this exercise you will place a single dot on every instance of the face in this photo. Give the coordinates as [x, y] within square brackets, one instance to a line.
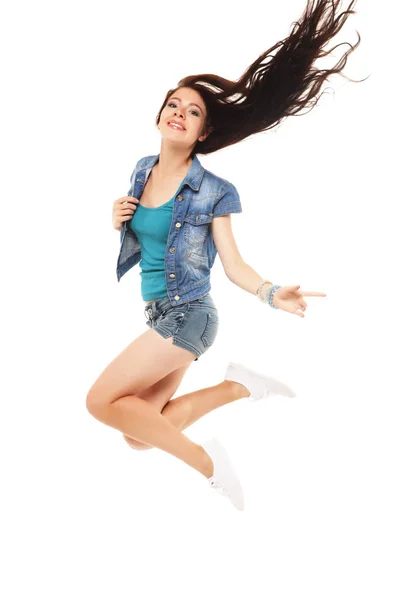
[186, 107]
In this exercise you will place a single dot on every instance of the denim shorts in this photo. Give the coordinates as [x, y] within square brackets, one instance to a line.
[193, 325]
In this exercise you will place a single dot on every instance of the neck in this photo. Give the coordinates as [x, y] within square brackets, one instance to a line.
[172, 162]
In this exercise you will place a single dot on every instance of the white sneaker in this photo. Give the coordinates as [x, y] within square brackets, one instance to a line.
[224, 479]
[257, 384]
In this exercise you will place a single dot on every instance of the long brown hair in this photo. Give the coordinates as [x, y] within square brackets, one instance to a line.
[266, 94]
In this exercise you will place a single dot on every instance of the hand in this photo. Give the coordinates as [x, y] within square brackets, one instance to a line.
[290, 298]
[123, 209]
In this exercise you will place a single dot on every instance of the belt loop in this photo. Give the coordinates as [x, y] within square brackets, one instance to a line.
[149, 311]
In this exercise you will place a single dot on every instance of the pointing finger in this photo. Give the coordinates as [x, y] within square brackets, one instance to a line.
[312, 293]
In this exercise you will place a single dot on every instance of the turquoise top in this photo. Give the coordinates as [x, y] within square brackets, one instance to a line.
[152, 226]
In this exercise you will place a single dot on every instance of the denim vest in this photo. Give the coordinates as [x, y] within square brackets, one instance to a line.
[190, 251]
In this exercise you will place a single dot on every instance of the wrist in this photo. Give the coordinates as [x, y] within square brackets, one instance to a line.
[264, 285]
[266, 291]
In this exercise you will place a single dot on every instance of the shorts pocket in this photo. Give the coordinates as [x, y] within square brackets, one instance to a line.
[172, 318]
[211, 329]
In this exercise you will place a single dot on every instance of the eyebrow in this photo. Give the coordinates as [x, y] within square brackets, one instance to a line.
[190, 104]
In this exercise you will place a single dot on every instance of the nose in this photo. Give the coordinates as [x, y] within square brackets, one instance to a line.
[178, 112]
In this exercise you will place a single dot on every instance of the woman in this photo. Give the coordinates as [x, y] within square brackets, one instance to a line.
[174, 220]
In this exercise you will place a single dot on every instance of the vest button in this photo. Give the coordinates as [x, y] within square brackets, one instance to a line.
[172, 250]
[178, 225]
[172, 275]
[180, 197]
[176, 297]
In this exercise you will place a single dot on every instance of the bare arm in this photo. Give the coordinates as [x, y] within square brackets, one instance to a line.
[236, 269]
[244, 276]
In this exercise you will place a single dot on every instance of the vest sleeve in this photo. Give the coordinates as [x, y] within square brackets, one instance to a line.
[229, 202]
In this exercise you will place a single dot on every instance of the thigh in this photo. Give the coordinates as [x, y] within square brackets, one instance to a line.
[146, 361]
[161, 392]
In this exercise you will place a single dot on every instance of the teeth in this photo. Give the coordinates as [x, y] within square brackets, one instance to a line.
[175, 125]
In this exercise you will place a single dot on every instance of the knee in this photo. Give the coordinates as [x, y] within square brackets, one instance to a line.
[95, 406]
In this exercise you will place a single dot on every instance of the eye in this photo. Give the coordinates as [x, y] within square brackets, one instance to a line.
[193, 111]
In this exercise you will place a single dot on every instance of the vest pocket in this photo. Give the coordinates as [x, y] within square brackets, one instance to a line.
[196, 227]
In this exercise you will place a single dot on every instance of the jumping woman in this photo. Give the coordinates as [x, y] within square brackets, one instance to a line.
[174, 220]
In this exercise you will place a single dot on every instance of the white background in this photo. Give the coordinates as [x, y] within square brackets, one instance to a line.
[83, 515]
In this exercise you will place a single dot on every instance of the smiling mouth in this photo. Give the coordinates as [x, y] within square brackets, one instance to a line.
[176, 127]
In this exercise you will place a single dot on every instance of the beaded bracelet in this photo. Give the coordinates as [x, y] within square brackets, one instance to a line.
[270, 291]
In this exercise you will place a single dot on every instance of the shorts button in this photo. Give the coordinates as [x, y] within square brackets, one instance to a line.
[176, 297]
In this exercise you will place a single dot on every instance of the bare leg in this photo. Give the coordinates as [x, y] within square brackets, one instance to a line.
[185, 410]
[138, 419]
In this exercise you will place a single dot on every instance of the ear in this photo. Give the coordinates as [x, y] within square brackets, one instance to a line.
[205, 135]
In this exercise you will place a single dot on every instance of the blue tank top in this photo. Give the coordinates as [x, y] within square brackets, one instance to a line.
[152, 226]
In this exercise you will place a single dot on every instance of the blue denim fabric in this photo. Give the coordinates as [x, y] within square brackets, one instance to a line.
[190, 251]
[193, 326]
